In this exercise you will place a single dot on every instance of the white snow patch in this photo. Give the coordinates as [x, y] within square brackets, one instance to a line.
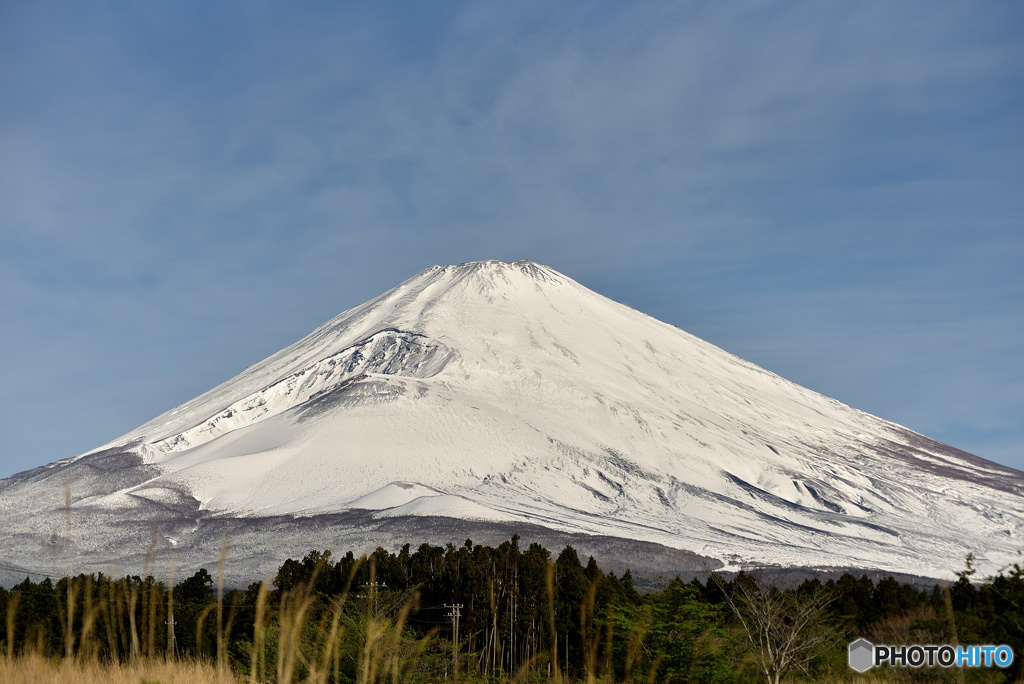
[446, 506]
[393, 495]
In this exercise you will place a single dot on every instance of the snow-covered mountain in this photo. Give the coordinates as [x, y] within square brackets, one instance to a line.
[508, 395]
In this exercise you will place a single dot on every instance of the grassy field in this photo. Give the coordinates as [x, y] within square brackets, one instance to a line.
[35, 669]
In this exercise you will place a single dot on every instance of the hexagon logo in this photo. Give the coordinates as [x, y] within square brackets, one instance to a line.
[862, 655]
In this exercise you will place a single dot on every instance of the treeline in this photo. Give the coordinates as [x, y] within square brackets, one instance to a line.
[479, 612]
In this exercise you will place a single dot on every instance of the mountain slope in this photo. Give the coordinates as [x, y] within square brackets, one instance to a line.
[510, 394]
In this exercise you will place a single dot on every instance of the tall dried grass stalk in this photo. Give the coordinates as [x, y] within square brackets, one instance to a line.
[374, 631]
[149, 570]
[636, 640]
[12, 608]
[392, 653]
[172, 645]
[105, 608]
[258, 663]
[86, 644]
[69, 637]
[221, 655]
[200, 622]
[947, 597]
[550, 580]
[295, 605]
[132, 599]
[590, 635]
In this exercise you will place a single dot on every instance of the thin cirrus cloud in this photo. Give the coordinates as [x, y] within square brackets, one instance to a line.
[828, 190]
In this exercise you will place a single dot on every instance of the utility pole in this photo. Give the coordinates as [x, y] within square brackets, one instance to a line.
[374, 588]
[455, 614]
[172, 644]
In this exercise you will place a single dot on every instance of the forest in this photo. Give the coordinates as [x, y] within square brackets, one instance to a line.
[511, 613]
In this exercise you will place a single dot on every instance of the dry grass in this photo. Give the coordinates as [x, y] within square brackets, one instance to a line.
[35, 669]
[302, 651]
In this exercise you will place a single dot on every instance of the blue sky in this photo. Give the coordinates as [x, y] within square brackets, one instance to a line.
[834, 191]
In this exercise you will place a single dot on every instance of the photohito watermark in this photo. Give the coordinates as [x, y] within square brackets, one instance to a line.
[864, 655]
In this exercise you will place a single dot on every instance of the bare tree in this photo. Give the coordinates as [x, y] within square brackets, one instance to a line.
[785, 627]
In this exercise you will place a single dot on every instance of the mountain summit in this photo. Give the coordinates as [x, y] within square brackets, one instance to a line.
[507, 394]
